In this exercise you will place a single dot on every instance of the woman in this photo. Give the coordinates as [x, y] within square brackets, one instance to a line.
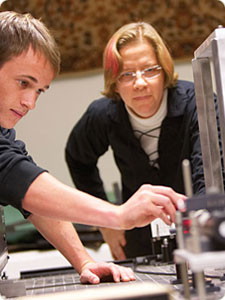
[148, 118]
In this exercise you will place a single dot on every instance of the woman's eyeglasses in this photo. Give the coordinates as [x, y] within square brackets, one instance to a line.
[148, 73]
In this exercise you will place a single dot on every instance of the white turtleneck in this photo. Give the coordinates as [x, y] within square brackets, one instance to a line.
[148, 130]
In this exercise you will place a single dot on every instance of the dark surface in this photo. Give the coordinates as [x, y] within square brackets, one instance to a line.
[66, 279]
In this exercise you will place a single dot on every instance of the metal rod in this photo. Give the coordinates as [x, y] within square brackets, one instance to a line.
[187, 177]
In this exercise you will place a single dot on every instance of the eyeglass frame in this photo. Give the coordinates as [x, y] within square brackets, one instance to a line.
[142, 74]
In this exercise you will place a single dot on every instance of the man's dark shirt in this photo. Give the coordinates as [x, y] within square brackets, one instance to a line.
[17, 170]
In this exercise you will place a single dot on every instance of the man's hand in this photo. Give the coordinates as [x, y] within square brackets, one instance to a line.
[148, 203]
[93, 272]
[116, 241]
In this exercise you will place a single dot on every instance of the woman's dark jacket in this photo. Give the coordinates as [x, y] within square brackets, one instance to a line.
[106, 123]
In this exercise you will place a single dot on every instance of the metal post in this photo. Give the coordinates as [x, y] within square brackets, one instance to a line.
[211, 51]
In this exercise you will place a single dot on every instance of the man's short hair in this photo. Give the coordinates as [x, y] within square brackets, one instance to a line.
[20, 31]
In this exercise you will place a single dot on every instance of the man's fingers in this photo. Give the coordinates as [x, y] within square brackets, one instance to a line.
[88, 277]
[96, 271]
[121, 273]
[168, 192]
[166, 205]
[148, 203]
[127, 274]
[160, 203]
[159, 213]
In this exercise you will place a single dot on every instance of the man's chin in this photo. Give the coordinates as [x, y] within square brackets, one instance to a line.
[8, 125]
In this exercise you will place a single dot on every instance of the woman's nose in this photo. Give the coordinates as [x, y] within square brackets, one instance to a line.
[140, 81]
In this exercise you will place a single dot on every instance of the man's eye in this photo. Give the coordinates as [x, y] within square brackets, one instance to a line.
[23, 83]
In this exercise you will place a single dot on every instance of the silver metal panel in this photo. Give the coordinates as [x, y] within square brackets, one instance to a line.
[207, 124]
[211, 51]
[205, 50]
[218, 57]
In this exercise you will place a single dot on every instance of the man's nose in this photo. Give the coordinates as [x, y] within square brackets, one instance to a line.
[29, 100]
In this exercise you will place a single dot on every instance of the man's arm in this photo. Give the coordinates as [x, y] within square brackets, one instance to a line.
[48, 197]
[63, 236]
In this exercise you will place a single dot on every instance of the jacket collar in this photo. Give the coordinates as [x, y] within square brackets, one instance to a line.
[117, 111]
[177, 100]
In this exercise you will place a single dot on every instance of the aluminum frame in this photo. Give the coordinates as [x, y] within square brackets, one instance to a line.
[209, 59]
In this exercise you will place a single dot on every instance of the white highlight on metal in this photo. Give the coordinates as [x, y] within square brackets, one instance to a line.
[223, 1]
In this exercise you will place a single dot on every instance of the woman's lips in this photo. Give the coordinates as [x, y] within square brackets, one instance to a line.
[139, 98]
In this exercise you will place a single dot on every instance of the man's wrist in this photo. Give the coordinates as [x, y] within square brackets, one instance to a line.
[84, 264]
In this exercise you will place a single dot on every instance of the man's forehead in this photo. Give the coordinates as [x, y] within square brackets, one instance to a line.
[31, 65]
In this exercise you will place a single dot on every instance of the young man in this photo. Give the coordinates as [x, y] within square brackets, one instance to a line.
[29, 61]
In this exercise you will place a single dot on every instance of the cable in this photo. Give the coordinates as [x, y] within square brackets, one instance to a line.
[154, 273]
[172, 274]
[146, 260]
